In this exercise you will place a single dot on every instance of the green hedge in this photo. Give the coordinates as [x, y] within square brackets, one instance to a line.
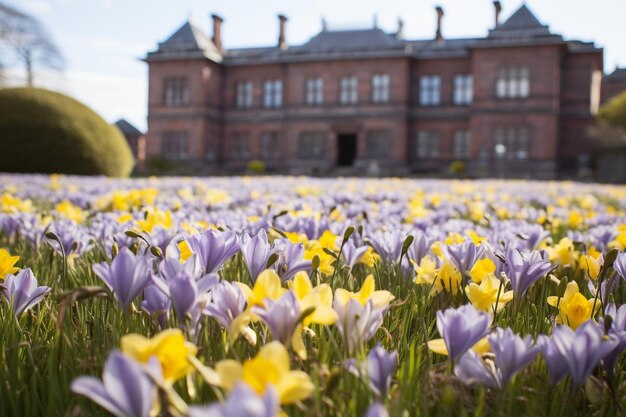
[614, 111]
[47, 132]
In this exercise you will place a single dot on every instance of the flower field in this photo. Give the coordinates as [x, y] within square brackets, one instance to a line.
[311, 297]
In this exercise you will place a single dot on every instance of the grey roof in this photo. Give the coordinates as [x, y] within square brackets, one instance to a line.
[188, 41]
[521, 24]
[127, 128]
[351, 40]
[523, 18]
[521, 28]
[617, 76]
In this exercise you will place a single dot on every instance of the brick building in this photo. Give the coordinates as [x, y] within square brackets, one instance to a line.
[514, 103]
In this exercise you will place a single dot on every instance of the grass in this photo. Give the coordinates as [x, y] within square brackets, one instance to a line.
[71, 332]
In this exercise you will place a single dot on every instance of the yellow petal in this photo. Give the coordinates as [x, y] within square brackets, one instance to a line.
[438, 346]
[276, 353]
[301, 285]
[230, 372]
[295, 386]
[552, 300]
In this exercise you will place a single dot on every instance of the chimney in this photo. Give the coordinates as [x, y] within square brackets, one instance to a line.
[498, 7]
[438, 35]
[400, 30]
[217, 31]
[282, 37]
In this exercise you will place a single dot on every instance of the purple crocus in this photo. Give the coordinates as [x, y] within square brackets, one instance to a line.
[127, 275]
[581, 351]
[256, 252]
[512, 353]
[462, 328]
[281, 316]
[472, 369]
[22, 292]
[388, 245]
[376, 410]
[616, 331]
[379, 367]
[464, 255]
[125, 390]
[524, 269]
[213, 248]
[357, 323]
[227, 302]
[156, 304]
[352, 253]
[184, 291]
[242, 402]
[620, 265]
[290, 260]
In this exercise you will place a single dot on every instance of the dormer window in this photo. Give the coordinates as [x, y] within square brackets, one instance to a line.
[513, 82]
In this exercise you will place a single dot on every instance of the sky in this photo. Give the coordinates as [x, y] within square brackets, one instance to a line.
[103, 41]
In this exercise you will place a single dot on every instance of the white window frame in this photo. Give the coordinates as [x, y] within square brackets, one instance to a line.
[430, 90]
[175, 145]
[273, 94]
[175, 92]
[314, 91]
[512, 142]
[428, 143]
[463, 89]
[513, 82]
[380, 88]
[348, 90]
[462, 144]
[244, 95]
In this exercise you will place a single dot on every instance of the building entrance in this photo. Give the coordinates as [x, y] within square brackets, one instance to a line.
[346, 149]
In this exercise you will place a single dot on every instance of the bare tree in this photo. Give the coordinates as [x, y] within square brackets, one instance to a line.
[30, 41]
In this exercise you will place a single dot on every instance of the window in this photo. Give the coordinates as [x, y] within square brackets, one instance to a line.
[273, 94]
[240, 147]
[348, 90]
[380, 88]
[427, 144]
[462, 144]
[314, 91]
[430, 90]
[174, 145]
[176, 93]
[513, 82]
[463, 89]
[511, 143]
[270, 148]
[244, 95]
[378, 143]
[311, 145]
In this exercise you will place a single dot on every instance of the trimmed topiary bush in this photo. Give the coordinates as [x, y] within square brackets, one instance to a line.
[614, 111]
[47, 132]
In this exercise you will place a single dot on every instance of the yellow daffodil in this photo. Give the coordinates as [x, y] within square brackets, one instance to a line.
[329, 240]
[369, 257]
[70, 211]
[7, 263]
[169, 347]
[485, 295]
[454, 238]
[267, 285]
[320, 297]
[11, 204]
[591, 263]
[476, 239]
[125, 218]
[481, 269]
[448, 278]
[439, 346]
[574, 308]
[295, 237]
[270, 367]
[426, 271]
[155, 217]
[380, 299]
[563, 252]
[326, 261]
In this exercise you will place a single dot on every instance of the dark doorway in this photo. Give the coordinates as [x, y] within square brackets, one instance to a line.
[346, 149]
